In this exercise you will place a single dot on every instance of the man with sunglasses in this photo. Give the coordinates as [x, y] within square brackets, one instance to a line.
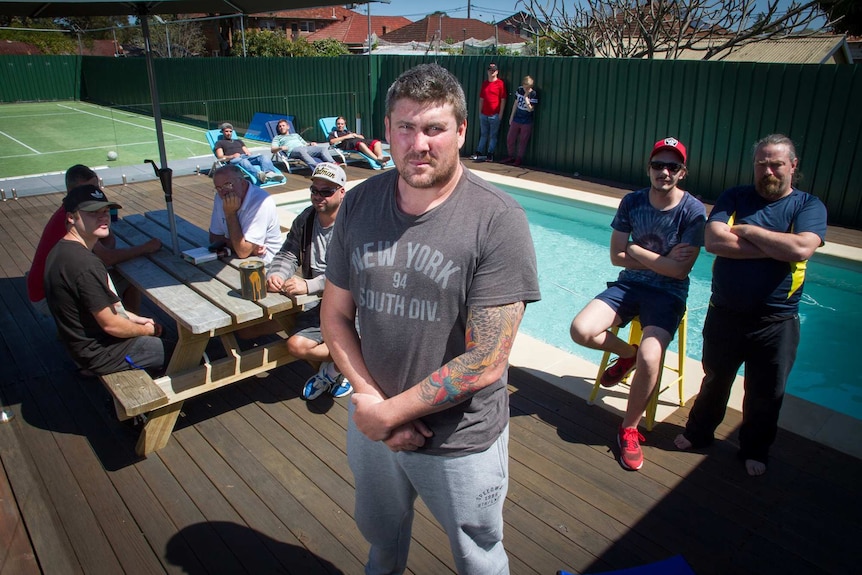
[244, 216]
[304, 249]
[658, 232]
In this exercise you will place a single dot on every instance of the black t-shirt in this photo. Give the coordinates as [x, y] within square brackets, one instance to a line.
[76, 286]
[230, 147]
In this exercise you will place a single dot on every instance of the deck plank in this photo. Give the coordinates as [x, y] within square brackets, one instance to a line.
[254, 479]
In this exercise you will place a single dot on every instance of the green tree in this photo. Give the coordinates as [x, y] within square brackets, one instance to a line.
[330, 47]
[186, 38]
[265, 43]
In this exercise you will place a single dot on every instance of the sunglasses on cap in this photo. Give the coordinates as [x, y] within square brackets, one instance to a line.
[672, 167]
[325, 192]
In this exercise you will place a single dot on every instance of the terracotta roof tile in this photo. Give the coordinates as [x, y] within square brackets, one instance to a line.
[354, 30]
[454, 29]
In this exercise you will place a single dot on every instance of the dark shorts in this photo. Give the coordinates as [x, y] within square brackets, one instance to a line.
[307, 324]
[351, 143]
[655, 307]
[143, 352]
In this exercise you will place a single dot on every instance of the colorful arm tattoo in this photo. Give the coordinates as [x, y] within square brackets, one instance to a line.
[490, 335]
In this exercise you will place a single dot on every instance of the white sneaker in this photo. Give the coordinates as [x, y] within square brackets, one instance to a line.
[274, 176]
[261, 177]
[318, 383]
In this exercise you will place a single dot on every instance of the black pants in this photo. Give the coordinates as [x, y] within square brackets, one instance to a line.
[767, 347]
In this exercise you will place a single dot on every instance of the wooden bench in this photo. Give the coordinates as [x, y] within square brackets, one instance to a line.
[134, 392]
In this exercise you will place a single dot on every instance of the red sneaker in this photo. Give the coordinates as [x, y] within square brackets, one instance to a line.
[619, 369]
[631, 456]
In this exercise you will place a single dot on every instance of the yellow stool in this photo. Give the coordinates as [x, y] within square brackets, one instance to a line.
[634, 337]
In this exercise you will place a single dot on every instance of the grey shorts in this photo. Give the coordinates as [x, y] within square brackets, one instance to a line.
[307, 324]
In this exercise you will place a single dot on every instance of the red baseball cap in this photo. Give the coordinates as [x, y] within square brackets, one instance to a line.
[670, 144]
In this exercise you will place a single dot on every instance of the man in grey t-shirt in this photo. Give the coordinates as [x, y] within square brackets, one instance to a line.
[437, 265]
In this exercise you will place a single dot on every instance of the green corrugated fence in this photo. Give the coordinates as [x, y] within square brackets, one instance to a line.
[596, 117]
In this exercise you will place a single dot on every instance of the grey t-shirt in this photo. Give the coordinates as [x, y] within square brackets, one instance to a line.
[413, 278]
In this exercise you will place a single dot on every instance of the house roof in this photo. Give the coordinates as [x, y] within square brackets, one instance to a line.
[327, 13]
[16, 48]
[819, 49]
[454, 29]
[98, 48]
[354, 29]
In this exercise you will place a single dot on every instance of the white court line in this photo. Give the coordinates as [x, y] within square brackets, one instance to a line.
[124, 122]
[134, 115]
[147, 143]
[22, 143]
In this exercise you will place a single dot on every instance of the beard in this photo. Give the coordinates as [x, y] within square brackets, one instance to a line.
[436, 173]
[769, 187]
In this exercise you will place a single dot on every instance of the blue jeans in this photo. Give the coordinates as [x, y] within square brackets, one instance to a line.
[490, 128]
[312, 155]
[255, 164]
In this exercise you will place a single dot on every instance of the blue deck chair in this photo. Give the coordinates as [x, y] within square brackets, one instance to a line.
[675, 565]
[282, 157]
[214, 136]
[328, 124]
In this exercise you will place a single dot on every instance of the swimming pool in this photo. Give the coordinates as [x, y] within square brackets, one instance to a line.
[572, 249]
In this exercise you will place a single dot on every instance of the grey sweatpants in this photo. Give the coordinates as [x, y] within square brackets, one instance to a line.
[465, 494]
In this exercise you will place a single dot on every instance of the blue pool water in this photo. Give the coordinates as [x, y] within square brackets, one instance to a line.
[572, 248]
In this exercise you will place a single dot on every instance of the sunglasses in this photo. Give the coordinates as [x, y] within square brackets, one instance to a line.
[226, 187]
[672, 167]
[325, 192]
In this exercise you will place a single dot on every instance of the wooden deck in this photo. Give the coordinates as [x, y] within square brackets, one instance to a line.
[255, 480]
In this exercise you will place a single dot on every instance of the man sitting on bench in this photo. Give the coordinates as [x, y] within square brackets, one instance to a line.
[100, 335]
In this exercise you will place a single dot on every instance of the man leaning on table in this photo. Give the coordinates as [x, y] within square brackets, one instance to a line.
[105, 249]
[100, 335]
[244, 216]
[304, 249]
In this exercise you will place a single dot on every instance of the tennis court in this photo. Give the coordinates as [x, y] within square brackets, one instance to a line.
[47, 137]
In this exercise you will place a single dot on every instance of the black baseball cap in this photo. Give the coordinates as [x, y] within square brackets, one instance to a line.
[87, 198]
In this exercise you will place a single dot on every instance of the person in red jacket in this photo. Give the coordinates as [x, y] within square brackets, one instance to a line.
[492, 101]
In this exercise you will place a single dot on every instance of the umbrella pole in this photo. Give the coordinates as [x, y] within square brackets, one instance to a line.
[164, 173]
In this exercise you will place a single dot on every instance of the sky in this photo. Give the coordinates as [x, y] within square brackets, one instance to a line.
[484, 10]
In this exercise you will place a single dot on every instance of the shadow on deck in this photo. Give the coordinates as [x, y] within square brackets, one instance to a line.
[256, 480]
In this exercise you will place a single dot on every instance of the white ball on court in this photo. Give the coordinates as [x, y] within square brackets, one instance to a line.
[112, 155]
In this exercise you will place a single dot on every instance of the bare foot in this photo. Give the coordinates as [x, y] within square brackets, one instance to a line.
[681, 442]
[755, 468]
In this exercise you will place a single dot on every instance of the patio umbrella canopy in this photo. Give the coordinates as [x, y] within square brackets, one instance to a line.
[60, 8]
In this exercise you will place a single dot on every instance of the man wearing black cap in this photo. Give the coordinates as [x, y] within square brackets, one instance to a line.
[492, 100]
[100, 335]
[658, 232]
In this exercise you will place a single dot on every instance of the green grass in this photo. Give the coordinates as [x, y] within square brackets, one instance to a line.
[38, 138]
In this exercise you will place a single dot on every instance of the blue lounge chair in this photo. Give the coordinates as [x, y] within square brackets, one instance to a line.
[214, 136]
[284, 158]
[328, 124]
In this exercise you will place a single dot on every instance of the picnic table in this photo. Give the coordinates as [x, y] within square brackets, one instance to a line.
[205, 301]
